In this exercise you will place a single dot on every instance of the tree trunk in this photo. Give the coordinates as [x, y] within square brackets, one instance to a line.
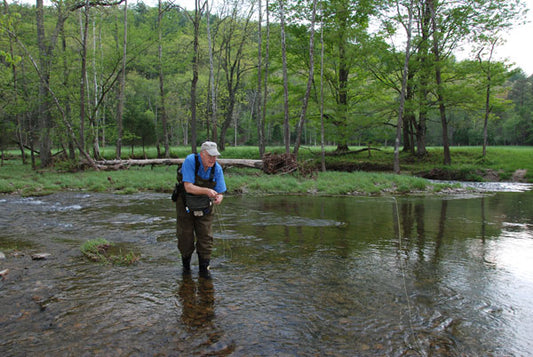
[420, 127]
[122, 85]
[488, 72]
[262, 142]
[45, 119]
[303, 112]
[408, 117]
[286, 127]
[119, 164]
[214, 124]
[232, 62]
[13, 65]
[162, 110]
[228, 114]
[83, 76]
[405, 74]
[258, 112]
[68, 109]
[343, 76]
[438, 80]
[195, 64]
[322, 129]
[94, 117]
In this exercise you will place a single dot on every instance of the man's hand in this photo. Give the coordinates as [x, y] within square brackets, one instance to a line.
[218, 199]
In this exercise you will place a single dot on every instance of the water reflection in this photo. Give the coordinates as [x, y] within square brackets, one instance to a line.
[197, 300]
[441, 276]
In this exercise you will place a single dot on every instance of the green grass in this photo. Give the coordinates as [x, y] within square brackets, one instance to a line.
[102, 251]
[362, 174]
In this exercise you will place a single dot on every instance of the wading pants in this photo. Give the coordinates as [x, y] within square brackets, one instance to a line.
[190, 227]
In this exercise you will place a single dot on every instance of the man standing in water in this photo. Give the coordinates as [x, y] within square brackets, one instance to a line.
[203, 185]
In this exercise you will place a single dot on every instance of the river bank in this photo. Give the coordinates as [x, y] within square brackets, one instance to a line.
[344, 175]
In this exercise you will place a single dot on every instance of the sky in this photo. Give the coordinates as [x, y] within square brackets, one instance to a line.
[516, 51]
[518, 48]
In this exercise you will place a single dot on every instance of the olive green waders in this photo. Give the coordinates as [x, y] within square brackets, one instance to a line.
[195, 232]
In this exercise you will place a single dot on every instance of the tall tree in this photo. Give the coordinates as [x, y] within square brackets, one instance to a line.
[451, 22]
[286, 127]
[436, 50]
[258, 111]
[94, 118]
[199, 8]
[13, 61]
[122, 84]
[235, 36]
[305, 100]
[212, 83]
[262, 144]
[83, 80]
[45, 58]
[488, 71]
[321, 101]
[346, 26]
[162, 107]
[405, 74]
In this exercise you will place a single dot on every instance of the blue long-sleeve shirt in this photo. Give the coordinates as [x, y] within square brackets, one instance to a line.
[188, 172]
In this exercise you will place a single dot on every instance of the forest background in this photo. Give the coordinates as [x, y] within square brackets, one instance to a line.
[77, 76]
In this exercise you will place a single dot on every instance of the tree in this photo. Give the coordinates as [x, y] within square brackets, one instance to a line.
[84, 34]
[346, 24]
[195, 19]
[305, 100]
[451, 21]
[122, 83]
[487, 69]
[212, 82]
[405, 75]
[163, 111]
[234, 35]
[260, 119]
[12, 60]
[286, 128]
[46, 49]
[436, 49]
[322, 136]
[262, 144]
[244, 85]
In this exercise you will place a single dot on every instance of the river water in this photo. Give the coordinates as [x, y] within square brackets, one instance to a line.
[291, 276]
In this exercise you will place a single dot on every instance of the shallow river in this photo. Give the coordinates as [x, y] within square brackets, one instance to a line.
[292, 276]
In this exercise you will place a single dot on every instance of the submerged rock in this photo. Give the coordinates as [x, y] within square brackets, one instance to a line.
[3, 273]
[40, 256]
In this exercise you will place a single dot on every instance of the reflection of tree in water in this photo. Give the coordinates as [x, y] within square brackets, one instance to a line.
[197, 301]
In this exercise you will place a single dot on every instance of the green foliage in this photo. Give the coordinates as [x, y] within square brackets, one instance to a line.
[361, 76]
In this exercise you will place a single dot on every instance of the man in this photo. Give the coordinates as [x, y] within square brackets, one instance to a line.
[204, 185]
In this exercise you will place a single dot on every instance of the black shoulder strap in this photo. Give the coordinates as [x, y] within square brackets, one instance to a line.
[212, 174]
[197, 165]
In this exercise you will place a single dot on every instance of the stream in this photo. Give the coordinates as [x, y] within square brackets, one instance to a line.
[434, 275]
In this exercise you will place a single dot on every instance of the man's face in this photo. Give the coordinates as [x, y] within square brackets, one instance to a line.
[207, 159]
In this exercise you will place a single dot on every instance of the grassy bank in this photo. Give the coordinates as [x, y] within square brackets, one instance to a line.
[342, 178]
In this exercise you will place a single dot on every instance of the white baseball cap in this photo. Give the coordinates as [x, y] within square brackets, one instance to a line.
[210, 147]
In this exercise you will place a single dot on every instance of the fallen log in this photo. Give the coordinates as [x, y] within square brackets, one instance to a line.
[121, 164]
